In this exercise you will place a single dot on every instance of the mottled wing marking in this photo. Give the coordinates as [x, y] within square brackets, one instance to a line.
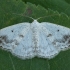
[18, 40]
[61, 35]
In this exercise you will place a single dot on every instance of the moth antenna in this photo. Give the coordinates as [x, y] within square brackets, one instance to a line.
[45, 16]
[24, 15]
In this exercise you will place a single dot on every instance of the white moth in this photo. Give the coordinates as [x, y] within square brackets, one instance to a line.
[27, 40]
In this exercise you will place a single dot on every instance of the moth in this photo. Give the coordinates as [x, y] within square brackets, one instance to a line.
[27, 40]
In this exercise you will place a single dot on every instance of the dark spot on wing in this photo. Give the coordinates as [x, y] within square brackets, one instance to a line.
[0, 41]
[66, 37]
[69, 41]
[58, 30]
[21, 36]
[49, 35]
[5, 39]
[11, 30]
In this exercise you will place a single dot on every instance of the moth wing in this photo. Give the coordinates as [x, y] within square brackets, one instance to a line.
[18, 40]
[52, 39]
